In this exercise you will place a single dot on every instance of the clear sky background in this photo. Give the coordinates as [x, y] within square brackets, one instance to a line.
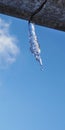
[31, 99]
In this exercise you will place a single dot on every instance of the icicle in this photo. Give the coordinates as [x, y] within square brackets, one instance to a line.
[34, 45]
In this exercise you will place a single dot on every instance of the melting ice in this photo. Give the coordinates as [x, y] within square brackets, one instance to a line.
[34, 45]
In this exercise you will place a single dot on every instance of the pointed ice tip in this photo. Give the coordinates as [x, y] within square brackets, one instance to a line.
[41, 62]
[38, 58]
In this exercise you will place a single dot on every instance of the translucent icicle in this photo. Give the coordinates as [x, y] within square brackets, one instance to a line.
[34, 45]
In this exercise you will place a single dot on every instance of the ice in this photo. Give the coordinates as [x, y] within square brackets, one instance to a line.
[34, 45]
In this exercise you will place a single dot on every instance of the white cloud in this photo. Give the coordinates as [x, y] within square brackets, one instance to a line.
[8, 48]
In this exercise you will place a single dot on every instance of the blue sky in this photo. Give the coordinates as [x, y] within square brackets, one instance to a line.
[31, 99]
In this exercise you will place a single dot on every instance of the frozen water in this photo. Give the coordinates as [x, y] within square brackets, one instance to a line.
[34, 45]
